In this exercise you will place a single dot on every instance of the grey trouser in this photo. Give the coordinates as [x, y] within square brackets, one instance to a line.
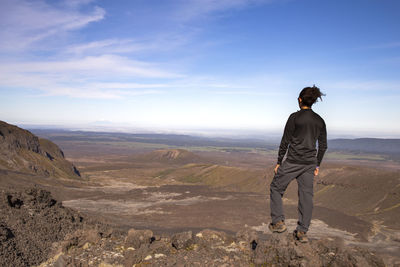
[305, 178]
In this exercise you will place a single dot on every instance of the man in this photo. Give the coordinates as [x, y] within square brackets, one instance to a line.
[302, 130]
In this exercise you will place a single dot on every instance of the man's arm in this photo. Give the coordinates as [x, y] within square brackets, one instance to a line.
[287, 135]
[322, 145]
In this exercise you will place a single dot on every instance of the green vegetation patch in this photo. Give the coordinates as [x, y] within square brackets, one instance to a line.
[164, 173]
[4, 163]
[348, 156]
[191, 179]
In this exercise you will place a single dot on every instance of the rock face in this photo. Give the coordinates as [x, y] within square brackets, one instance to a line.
[30, 222]
[20, 150]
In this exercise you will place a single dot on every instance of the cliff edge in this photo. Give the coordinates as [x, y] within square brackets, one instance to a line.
[22, 151]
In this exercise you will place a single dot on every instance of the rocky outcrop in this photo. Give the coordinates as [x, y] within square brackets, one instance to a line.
[212, 248]
[36, 229]
[30, 222]
[20, 150]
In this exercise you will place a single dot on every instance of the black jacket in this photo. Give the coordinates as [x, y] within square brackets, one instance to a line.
[302, 130]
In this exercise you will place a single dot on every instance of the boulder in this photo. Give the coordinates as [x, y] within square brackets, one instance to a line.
[213, 238]
[182, 240]
[137, 238]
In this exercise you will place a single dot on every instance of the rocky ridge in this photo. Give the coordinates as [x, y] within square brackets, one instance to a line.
[208, 248]
[20, 150]
[31, 222]
[37, 230]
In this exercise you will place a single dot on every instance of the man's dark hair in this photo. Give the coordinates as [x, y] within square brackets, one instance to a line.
[310, 95]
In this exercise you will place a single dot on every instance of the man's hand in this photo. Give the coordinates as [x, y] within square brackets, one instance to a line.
[316, 171]
[276, 168]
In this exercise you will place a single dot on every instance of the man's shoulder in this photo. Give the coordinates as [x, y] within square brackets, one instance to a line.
[318, 117]
[294, 113]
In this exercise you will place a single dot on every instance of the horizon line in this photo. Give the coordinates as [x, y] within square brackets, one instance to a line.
[201, 131]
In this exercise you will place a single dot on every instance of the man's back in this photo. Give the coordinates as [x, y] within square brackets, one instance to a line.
[308, 128]
[302, 131]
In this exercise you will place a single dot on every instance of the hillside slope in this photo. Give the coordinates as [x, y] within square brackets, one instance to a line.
[22, 151]
[217, 176]
[171, 156]
[368, 193]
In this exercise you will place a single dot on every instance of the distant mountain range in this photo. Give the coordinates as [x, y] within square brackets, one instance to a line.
[366, 145]
[153, 138]
[359, 145]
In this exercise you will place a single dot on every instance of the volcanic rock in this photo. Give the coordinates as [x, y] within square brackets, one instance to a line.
[136, 238]
[182, 240]
[20, 150]
[36, 229]
[30, 222]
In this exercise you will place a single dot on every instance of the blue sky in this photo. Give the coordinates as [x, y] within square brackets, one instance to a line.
[200, 64]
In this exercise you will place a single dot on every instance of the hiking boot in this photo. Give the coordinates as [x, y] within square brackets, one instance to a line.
[278, 227]
[300, 236]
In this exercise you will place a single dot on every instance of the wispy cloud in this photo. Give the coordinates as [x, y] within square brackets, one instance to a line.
[172, 39]
[159, 43]
[246, 93]
[81, 77]
[372, 85]
[108, 46]
[77, 3]
[26, 22]
[76, 87]
[102, 68]
[92, 66]
[90, 92]
[194, 9]
[384, 45]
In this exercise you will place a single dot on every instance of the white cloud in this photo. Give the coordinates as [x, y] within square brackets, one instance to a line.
[384, 45]
[160, 42]
[92, 66]
[77, 3]
[83, 77]
[373, 85]
[75, 87]
[80, 77]
[25, 22]
[108, 46]
[80, 67]
[193, 9]
[89, 91]
[113, 85]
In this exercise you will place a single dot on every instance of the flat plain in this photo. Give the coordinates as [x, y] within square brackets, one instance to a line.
[175, 184]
